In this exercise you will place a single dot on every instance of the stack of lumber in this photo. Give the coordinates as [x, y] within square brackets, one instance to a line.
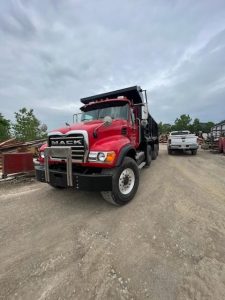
[10, 144]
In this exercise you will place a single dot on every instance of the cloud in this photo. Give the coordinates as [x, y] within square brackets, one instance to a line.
[197, 85]
[55, 52]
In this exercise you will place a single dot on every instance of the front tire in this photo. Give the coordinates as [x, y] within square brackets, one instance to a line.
[125, 183]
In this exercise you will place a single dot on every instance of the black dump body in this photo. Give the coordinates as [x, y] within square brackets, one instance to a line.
[153, 127]
[134, 94]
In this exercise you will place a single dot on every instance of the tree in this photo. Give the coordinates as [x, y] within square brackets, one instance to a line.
[5, 126]
[196, 126]
[182, 123]
[164, 128]
[27, 126]
[208, 126]
[160, 126]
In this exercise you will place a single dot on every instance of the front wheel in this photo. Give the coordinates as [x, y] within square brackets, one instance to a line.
[125, 183]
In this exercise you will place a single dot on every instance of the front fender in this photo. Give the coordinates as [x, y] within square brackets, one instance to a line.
[123, 152]
[121, 146]
[110, 143]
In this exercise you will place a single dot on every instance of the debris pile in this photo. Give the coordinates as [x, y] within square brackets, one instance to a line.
[163, 138]
[200, 140]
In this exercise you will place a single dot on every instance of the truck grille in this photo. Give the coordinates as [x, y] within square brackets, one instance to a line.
[75, 141]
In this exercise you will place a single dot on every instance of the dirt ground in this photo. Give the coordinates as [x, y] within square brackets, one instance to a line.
[168, 243]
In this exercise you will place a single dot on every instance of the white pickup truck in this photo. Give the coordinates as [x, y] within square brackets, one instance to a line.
[182, 140]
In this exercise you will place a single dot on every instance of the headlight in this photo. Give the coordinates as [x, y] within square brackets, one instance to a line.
[42, 155]
[101, 157]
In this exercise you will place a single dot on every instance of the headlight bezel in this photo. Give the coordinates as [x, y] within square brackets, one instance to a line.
[108, 157]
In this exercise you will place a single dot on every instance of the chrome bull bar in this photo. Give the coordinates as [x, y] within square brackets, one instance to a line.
[64, 153]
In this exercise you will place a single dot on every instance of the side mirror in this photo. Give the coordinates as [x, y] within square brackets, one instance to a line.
[144, 112]
[107, 121]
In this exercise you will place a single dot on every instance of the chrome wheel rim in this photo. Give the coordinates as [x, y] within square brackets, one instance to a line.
[126, 181]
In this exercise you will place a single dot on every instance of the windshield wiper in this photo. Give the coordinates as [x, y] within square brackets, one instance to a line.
[86, 120]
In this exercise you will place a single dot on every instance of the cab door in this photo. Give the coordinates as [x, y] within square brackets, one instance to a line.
[133, 129]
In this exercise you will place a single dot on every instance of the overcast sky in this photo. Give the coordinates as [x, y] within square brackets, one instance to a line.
[54, 52]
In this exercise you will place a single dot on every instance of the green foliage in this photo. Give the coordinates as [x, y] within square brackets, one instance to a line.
[27, 126]
[196, 126]
[5, 126]
[164, 128]
[207, 127]
[184, 123]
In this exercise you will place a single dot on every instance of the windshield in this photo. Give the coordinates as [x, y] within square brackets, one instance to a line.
[179, 132]
[115, 112]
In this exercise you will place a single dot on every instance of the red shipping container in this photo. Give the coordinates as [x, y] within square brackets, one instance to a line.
[224, 145]
[17, 163]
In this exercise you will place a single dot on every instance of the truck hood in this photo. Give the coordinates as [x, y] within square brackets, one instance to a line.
[114, 130]
[88, 126]
[108, 138]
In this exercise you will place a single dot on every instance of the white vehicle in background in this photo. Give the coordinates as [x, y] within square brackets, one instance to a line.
[182, 140]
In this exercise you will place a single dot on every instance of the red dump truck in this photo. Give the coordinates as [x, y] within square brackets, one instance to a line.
[114, 139]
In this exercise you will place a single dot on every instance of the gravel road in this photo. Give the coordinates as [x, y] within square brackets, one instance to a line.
[168, 243]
